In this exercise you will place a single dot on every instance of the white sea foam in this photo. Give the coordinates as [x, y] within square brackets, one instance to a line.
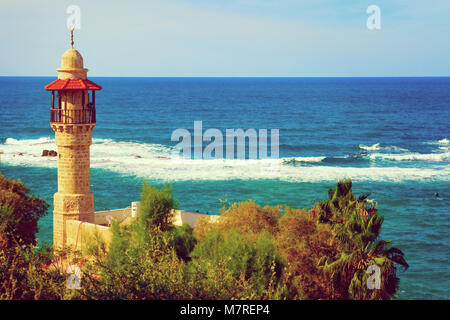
[40, 141]
[304, 159]
[373, 147]
[154, 161]
[443, 156]
[394, 153]
[377, 147]
[394, 148]
[442, 142]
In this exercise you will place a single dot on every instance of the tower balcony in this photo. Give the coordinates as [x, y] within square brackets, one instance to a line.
[68, 116]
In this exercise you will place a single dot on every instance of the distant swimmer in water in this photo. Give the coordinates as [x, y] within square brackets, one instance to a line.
[436, 195]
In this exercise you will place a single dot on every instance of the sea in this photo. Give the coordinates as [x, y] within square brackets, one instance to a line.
[389, 135]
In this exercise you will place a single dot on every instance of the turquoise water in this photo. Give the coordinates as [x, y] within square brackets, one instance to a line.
[390, 135]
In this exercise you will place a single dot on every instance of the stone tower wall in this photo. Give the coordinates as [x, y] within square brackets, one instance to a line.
[74, 200]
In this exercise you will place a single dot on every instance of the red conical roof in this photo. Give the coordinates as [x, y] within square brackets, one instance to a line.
[70, 84]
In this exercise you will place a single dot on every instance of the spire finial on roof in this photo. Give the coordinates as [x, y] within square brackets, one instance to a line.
[71, 36]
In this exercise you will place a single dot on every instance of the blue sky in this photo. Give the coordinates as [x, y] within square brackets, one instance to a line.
[229, 37]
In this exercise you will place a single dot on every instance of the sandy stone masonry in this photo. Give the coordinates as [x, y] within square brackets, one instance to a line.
[73, 201]
[73, 137]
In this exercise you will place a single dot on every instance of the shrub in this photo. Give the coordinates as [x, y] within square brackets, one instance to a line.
[20, 220]
[183, 241]
[251, 262]
[156, 207]
[247, 217]
[302, 242]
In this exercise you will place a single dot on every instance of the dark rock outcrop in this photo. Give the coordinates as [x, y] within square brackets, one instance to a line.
[49, 153]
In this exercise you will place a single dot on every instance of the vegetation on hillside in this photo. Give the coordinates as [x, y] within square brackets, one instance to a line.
[23, 272]
[252, 252]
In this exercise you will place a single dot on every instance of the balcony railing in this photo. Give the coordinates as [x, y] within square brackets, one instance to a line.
[64, 116]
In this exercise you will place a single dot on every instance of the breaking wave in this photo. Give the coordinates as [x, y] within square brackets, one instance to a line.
[411, 156]
[155, 161]
[377, 147]
[373, 147]
[442, 142]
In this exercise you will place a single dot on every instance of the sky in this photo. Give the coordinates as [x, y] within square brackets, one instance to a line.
[228, 38]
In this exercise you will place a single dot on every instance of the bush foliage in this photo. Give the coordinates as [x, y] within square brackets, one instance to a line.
[251, 252]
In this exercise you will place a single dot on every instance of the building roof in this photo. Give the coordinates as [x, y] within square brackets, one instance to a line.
[71, 84]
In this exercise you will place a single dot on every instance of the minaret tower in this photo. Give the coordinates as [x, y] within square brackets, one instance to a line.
[72, 117]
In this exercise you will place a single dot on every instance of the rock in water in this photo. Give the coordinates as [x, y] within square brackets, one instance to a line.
[49, 153]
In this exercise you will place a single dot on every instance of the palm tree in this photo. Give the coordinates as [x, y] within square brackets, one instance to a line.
[356, 230]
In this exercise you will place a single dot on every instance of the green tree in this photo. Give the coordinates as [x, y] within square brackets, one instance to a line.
[156, 207]
[25, 271]
[20, 220]
[141, 262]
[357, 229]
[136, 270]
